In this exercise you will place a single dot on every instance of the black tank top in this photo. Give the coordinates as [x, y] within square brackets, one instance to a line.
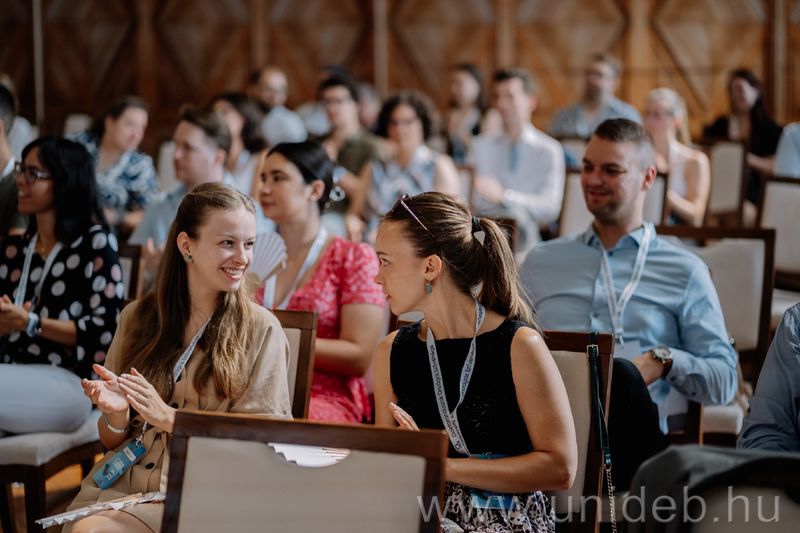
[489, 417]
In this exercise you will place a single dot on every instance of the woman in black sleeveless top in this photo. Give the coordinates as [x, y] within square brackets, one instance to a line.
[476, 366]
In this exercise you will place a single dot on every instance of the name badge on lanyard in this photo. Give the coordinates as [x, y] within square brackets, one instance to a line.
[449, 418]
[311, 258]
[19, 297]
[616, 306]
[132, 452]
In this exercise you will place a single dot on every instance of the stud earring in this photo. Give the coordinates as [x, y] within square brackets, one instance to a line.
[428, 286]
[187, 258]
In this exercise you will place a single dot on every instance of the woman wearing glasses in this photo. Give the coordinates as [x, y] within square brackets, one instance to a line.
[60, 291]
[406, 121]
[326, 274]
[476, 366]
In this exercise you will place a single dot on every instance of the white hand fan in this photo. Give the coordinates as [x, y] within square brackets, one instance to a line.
[269, 255]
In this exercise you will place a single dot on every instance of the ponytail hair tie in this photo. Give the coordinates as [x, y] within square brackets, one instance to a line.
[477, 230]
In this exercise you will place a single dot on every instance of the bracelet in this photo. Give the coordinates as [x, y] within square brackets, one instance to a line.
[112, 428]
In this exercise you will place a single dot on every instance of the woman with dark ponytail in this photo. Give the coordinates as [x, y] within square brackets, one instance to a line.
[476, 366]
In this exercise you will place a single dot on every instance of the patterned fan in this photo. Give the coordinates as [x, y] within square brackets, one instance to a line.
[269, 255]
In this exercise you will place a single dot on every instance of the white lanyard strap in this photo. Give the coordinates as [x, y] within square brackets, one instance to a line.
[311, 258]
[616, 307]
[450, 418]
[181, 364]
[19, 299]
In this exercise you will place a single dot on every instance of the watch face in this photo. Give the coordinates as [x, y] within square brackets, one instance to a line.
[662, 354]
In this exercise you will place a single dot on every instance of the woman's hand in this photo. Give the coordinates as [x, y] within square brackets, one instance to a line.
[403, 419]
[12, 317]
[105, 392]
[145, 399]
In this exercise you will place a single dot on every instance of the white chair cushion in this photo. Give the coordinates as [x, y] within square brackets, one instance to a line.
[723, 418]
[36, 449]
[782, 300]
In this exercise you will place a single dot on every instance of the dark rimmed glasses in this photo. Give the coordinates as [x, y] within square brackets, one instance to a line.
[31, 175]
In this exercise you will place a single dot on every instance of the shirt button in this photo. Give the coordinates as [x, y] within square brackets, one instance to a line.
[150, 466]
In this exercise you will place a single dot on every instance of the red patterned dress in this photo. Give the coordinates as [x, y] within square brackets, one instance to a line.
[345, 274]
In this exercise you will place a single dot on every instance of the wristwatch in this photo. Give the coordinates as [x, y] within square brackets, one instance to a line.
[34, 326]
[663, 356]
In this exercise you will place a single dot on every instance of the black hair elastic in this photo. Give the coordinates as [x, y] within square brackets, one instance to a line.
[477, 230]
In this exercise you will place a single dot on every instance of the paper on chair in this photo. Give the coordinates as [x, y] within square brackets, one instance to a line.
[314, 456]
[111, 505]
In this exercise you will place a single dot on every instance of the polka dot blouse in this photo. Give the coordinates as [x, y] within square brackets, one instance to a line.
[84, 285]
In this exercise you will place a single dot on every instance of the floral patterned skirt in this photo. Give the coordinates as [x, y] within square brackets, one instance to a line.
[527, 513]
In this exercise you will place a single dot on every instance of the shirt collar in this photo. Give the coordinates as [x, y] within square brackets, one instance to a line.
[590, 238]
[8, 168]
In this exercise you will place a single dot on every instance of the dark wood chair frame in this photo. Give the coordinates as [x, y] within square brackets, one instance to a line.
[432, 445]
[593, 480]
[306, 322]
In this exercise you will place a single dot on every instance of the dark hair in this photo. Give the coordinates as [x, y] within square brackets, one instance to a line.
[156, 342]
[417, 101]
[620, 130]
[115, 110]
[211, 123]
[74, 188]
[608, 59]
[313, 163]
[339, 80]
[517, 73]
[758, 113]
[8, 109]
[475, 73]
[471, 264]
[251, 115]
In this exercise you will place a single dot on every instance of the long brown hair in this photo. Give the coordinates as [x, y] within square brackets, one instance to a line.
[156, 342]
[444, 227]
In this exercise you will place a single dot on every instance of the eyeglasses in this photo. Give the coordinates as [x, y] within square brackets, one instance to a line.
[31, 175]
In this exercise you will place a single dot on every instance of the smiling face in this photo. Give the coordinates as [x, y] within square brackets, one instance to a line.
[221, 251]
[283, 193]
[402, 273]
[34, 195]
[614, 180]
[127, 130]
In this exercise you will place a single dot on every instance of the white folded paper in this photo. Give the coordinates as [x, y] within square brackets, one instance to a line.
[111, 505]
[313, 456]
[269, 255]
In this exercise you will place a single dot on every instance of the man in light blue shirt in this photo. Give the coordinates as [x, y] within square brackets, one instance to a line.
[270, 88]
[663, 307]
[773, 422]
[787, 158]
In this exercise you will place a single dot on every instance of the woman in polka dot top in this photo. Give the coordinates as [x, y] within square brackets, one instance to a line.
[73, 291]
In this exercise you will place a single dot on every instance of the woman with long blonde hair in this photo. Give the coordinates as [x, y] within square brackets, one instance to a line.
[196, 342]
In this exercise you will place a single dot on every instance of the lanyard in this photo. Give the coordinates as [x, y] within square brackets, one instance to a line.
[616, 307]
[26, 269]
[181, 364]
[449, 418]
[311, 258]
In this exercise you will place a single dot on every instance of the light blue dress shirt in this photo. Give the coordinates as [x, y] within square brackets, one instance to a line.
[773, 422]
[675, 305]
[787, 158]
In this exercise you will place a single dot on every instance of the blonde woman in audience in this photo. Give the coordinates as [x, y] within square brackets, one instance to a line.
[665, 119]
[196, 342]
[60, 291]
[326, 274]
[126, 177]
[478, 353]
[406, 120]
[243, 118]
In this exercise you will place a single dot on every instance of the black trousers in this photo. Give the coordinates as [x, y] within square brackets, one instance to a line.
[633, 430]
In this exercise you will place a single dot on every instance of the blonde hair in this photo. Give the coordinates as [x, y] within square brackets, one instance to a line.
[677, 107]
[155, 344]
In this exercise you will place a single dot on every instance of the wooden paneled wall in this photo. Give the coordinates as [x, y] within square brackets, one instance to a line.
[175, 51]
